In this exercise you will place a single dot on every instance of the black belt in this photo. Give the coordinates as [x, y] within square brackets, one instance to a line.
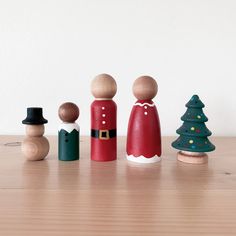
[103, 134]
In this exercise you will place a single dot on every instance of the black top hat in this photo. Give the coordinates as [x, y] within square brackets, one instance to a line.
[34, 116]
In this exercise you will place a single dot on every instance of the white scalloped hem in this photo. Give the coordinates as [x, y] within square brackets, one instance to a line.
[142, 159]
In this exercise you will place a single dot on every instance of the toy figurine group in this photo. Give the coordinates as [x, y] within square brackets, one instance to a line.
[143, 136]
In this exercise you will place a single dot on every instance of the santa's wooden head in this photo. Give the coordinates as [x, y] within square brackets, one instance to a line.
[103, 86]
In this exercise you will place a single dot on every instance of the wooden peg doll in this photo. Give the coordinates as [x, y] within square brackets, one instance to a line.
[68, 133]
[35, 146]
[103, 119]
[144, 135]
[193, 141]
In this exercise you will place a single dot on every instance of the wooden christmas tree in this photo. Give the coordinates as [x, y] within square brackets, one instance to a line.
[193, 140]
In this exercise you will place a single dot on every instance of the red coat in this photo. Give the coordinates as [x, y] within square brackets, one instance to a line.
[103, 130]
[144, 135]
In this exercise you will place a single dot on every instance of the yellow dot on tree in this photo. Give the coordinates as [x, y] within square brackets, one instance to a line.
[199, 117]
[192, 128]
[190, 141]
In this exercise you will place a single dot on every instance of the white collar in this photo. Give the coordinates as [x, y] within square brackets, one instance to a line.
[69, 127]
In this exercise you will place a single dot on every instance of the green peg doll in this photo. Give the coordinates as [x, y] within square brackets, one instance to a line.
[68, 133]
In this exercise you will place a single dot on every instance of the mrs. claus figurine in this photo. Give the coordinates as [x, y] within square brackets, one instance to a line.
[103, 119]
[144, 135]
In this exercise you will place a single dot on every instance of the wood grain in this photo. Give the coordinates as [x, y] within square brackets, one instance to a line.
[117, 198]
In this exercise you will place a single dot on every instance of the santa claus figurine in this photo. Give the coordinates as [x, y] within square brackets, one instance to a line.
[144, 135]
[103, 119]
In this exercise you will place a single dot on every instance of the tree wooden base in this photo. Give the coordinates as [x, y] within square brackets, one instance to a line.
[192, 158]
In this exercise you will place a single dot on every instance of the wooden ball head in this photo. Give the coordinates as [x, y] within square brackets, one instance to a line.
[35, 147]
[192, 158]
[68, 112]
[103, 86]
[145, 88]
[34, 130]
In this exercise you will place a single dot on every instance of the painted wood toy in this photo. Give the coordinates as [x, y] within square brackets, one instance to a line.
[103, 119]
[144, 134]
[35, 146]
[68, 132]
[193, 141]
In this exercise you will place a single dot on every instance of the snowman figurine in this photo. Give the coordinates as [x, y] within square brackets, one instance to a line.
[35, 146]
[144, 135]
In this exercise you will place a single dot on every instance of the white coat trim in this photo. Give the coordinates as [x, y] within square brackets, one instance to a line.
[144, 104]
[69, 127]
[142, 159]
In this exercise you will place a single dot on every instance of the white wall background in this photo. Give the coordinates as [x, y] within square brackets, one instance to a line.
[50, 50]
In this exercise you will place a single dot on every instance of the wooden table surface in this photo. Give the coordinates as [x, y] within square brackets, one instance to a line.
[117, 198]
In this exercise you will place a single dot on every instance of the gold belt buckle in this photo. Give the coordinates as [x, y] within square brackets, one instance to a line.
[101, 132]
